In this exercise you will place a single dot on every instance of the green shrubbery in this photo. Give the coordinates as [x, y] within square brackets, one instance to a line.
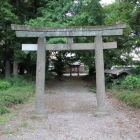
[14, 91]
[19, 81]
[135, 71]
[131, 82]
[3, 110]
[4, 85]
[129, 88]
[131, 98]
[92, 89]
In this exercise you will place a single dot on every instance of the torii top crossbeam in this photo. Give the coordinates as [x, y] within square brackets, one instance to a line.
[30, 31]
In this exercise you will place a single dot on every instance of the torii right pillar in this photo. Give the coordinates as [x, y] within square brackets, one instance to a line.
[99, 61]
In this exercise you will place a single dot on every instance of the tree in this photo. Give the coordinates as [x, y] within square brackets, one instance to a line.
[41, 13]
[71, 13]
[123, 11]
[6, 34]
[15, 12]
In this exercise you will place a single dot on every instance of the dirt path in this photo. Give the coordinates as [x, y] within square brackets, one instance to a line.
[70, 108]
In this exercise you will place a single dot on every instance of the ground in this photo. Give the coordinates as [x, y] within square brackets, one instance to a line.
[71, 115]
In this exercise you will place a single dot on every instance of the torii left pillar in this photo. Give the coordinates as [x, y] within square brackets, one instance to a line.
[40, 76]
[101, 109]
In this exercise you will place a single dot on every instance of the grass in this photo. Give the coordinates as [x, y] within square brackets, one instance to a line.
[25, 124]
[4, 119]
[96, 115]
[33, 117]
[92, 89]
[19, 91]
[52, 92]
[10, 131]
[123, 106]
[130, 98]
[129, 90]
[7, 117]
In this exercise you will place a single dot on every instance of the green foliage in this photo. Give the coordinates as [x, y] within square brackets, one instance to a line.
[10, 132]
[20, 80]
[70, 13]
[130, 97]
[46, 13]
[16, 12]
[14, 96]
[4, 119]
[92, 89]
[3, 110]
[24, 124]
[19, 92]
[1, 75]
[96, 115]
[49, 75]
[107, 78]
[33, 117]
[135, 71]
[131, 82]
[52, 92]
[123, 11]
[123, 106]
[130, 85]
[4, 85]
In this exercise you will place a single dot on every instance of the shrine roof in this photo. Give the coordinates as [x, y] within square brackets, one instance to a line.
[116, 71]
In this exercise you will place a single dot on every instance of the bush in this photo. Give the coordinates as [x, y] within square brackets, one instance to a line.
[135, 71]
[1, 75]
[20, 81]
[107, 79]
[11, 97]
[16, 91]
[4, 85]
[131, 82]
[3, 110]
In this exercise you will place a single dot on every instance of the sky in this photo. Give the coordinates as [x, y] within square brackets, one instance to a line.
[107, 1]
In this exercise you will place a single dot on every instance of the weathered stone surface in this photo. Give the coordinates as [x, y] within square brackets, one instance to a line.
[29, 31]
[75, 46]
[63, 29]
[40, 76]
[72, 33]
[100, 84]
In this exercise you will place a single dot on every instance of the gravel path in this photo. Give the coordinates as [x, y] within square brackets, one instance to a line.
[70, 108]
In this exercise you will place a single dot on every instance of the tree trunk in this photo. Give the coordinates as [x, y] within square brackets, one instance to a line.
[7, 68]
[7, 62]
[15, 69]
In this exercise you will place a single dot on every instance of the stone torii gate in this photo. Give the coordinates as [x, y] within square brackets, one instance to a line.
[46, 32]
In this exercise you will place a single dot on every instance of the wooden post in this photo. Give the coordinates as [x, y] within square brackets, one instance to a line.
[78, 70]
[100, 74]
[40, 76]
